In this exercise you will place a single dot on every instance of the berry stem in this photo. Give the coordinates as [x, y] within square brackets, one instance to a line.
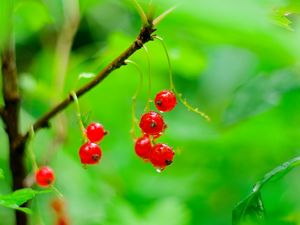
[134, 118]
[78, 113]
[147, 108]
[56, 191]
[172, 86]
[30, 150]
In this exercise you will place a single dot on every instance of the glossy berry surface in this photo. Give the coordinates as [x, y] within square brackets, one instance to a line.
[95, 132]
[44, 176]
[152, 123]
[143, 147]
[165, 101]
[161, 156]
[90, 153]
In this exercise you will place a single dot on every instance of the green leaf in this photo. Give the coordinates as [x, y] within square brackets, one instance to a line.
[280, 18]
[252, 206]
[268, 93]
[19, 197]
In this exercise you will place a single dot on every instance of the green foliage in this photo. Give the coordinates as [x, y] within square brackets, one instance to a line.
[252, 207]
[26, 24]
[16, 199]
[237, 60]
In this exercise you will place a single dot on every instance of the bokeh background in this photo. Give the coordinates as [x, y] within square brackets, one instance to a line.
[238, 61]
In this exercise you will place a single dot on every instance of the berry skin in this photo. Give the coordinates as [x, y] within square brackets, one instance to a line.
[44, 176]
[143, 147]
[152, 123]
[90, 153]
[95, 132]
[165, 101]
[161, 156]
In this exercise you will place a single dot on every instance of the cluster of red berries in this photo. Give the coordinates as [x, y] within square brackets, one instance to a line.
[152, 125]
[90, 152]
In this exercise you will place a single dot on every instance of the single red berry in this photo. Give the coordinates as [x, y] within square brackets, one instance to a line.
[152, 123]
[143, 147]
[161, 156]
[165, 101]
[44, 176]
[90, 153]
[95, 132]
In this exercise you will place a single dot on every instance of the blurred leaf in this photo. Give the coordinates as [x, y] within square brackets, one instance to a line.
[19, 197]
[252, 206]
[259, 94]
[280, 18]
[25, 23]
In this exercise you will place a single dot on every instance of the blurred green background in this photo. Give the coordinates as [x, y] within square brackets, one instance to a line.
[238, 61]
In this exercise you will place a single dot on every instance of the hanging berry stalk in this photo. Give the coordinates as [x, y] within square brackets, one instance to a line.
[172, 86]
[133, 109]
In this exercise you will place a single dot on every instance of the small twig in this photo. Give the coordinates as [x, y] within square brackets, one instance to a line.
[144, 36]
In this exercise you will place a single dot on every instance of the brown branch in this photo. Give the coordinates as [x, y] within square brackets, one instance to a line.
[10, 115]
[144, 36]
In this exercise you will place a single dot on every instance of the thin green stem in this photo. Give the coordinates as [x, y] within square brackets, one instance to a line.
[78, 113]
[134, 117]
[172, 86]
[147, 108]
[56, 191]
[30, 150]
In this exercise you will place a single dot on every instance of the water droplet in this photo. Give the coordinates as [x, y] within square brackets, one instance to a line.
[159, 170]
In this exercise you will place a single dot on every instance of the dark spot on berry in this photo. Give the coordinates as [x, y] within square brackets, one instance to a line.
[168, 162]
[153, 124]
[95, 157]
[159, 102]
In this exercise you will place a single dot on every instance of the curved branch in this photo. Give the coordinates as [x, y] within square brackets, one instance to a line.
[144, 36]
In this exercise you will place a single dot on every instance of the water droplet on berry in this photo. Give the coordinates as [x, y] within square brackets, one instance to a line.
[159, 170]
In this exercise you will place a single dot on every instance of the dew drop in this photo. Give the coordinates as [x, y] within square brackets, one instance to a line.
[159, 170]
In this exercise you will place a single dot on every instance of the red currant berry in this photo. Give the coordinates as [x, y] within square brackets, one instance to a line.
[95, 132]
[90, 153]
[143, 147]
[165, 101]
[44, 176]
[161, 156]
[152, 123]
